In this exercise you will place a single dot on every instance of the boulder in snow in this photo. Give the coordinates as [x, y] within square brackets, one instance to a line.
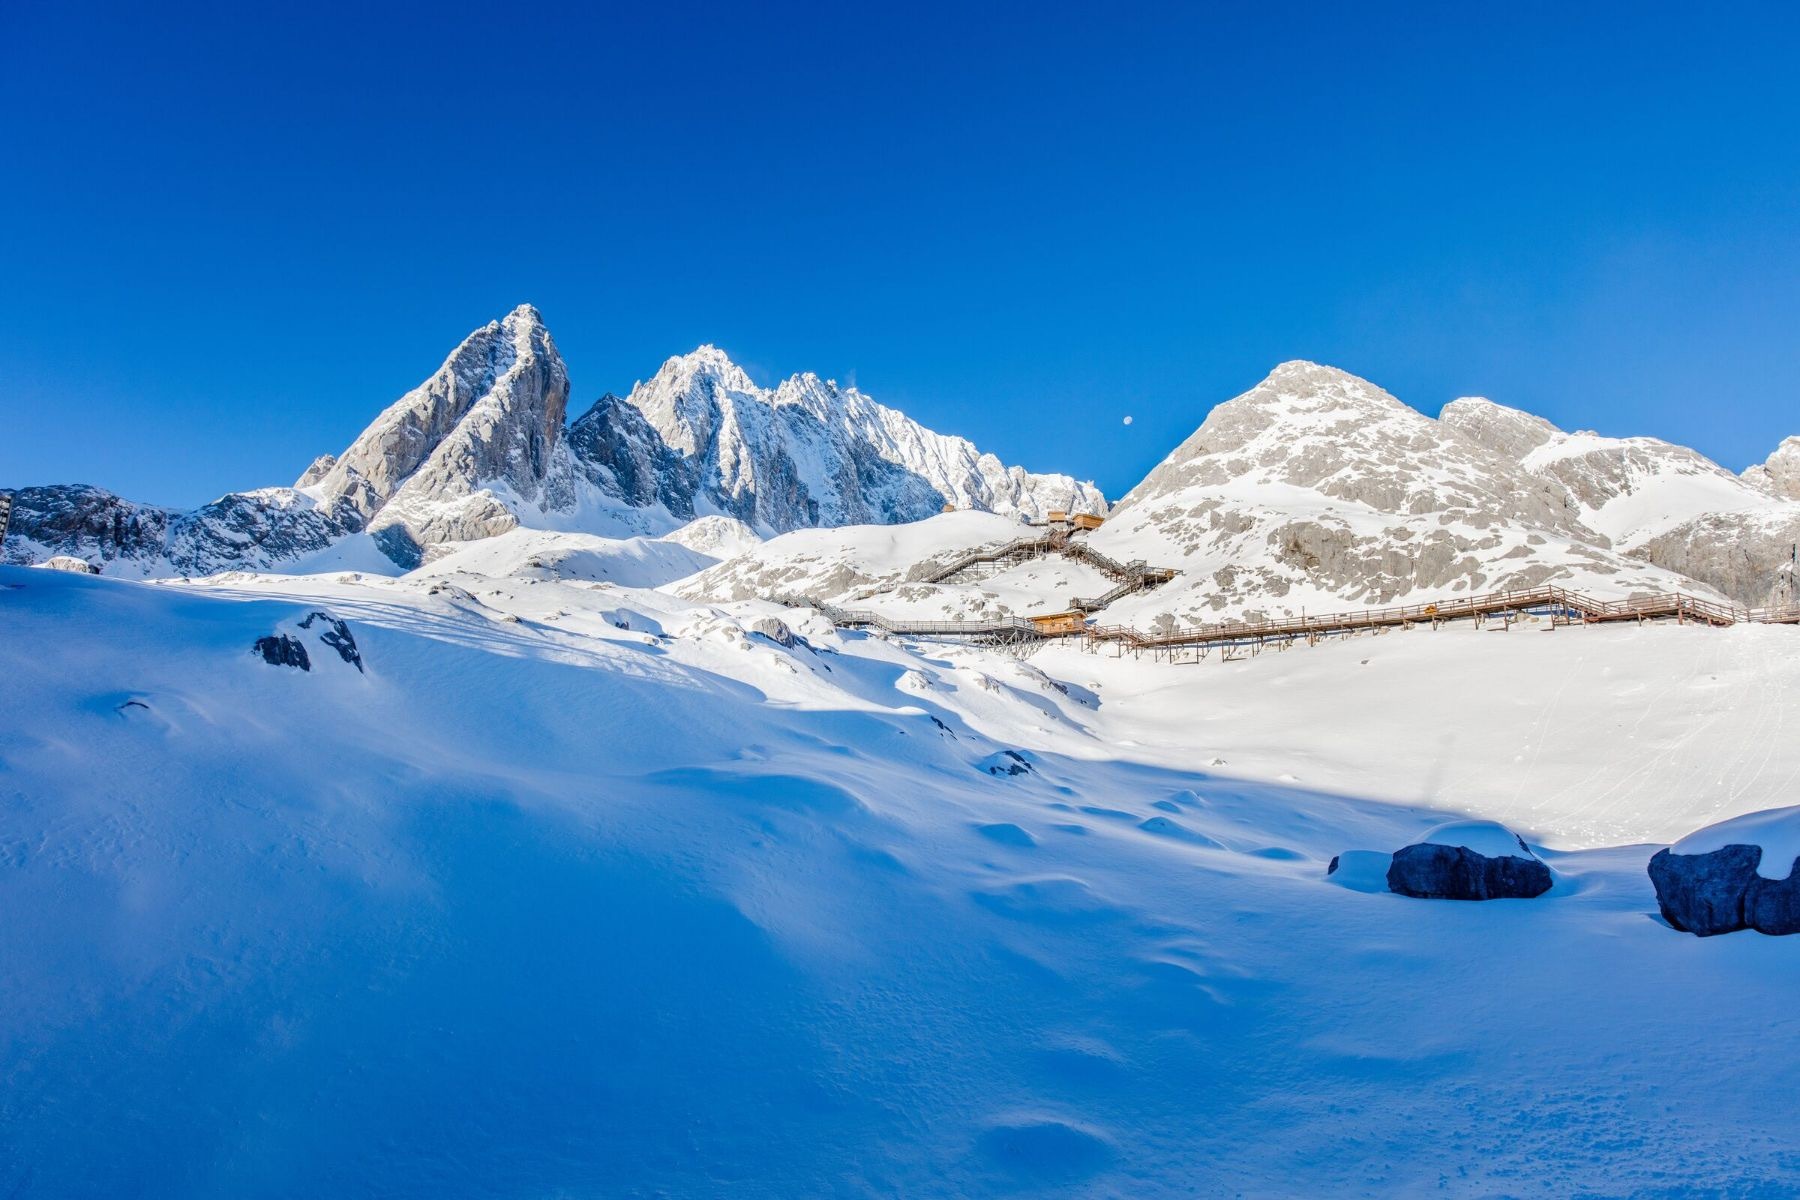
[280, 650]
[286, 647]
[1468, 860]
[68, 562]
[1006, 763]
[1738, 874]
[776, 630]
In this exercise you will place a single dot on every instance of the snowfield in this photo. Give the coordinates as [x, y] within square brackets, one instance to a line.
[589, 889]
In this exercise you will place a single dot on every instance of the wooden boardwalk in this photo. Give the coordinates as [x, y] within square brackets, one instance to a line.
[1560, 606]
[1127, 577]
[1004, 631]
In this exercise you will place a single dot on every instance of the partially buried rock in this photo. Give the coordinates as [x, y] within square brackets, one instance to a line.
[1007, 762]
[68, 562]
[280, 650]
[287, 646]
[334, 633]
[1738, 874]
[775, 629]
[1468, 860]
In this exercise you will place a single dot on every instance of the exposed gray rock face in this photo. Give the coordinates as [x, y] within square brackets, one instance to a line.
[1779, 476]
[321, 467]
[1663, 503]
[464, 454]
[1721, 892]
[1509, 432]
[1749, 556]
[621, 453]
[806, 453]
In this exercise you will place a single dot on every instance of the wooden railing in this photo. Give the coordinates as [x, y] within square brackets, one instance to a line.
[1558, 603]
[1006, 628]
[1129, 577]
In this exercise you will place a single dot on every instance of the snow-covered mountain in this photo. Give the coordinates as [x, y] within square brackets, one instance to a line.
[700, 436]
[1318, 490]
[1664, 503]
[482, 447]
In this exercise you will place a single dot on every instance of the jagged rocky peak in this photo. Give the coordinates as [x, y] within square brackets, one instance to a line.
[462, 455]
[707, 438]
[687, 398]
[1779, 475]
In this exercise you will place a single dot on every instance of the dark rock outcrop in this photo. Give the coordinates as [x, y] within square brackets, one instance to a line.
[1721, 892]
[288, 649]
[336, 634]
[1008, 762]
[280, 650]
[1432, 872]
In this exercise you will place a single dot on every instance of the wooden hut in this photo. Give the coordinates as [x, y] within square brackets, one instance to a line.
[1059, 624]
[1086, 521]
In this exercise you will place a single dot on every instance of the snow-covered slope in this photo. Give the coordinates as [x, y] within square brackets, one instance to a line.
[805, 453]
[1318, 490]
[1664, 503]
[585, 890]
[852, 560]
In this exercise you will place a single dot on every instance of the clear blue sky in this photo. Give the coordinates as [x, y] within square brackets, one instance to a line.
[231, 233]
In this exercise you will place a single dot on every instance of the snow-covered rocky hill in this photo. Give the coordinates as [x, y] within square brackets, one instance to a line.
[1317, 490]
[1664, 503]
[483, 447]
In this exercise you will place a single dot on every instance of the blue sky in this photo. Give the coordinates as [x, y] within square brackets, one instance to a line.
[230, 234]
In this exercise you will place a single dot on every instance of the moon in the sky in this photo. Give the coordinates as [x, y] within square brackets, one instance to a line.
[1128, 420]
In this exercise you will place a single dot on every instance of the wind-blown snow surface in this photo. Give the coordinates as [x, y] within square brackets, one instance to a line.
[587, 890]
